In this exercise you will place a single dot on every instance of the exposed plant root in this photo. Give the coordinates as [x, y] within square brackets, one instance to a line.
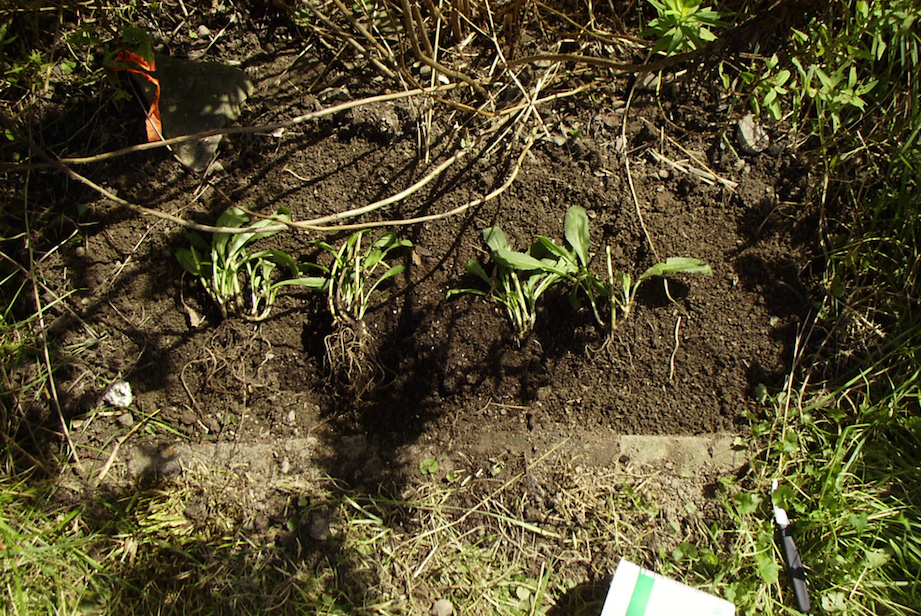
[352, 359]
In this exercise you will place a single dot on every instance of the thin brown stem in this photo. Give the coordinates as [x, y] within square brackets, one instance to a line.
[636, 201]
[414, 43]
[233, 130]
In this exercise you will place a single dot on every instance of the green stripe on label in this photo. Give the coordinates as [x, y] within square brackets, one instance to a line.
[641, 594]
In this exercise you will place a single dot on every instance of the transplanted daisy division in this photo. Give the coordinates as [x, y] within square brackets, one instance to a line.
[242, 283]
[352, 282]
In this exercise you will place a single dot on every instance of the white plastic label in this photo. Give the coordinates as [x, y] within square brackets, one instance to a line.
[638, 592]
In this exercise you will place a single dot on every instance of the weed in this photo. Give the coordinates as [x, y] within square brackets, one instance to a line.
[850, 498]
[241, 284]
[621, 289]
[351, 283]
[772, 85]
[682, 25]
[837, 71]
[428, 466]
[574, 259]
[833, 92]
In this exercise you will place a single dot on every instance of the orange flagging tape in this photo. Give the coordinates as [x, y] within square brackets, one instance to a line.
[145, 68]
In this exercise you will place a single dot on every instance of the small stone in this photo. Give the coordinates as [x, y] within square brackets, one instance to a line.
[167, 451]
[118, 395]
[80, 252]
[442, 607]
[203, 31]
[291, 416]
[751, 137]
[664, 174]
[318, 526]
[647, 82]
[126, 420]
[335, 94]
[211, 424]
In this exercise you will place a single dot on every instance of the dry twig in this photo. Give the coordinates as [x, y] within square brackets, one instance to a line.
[232, 130]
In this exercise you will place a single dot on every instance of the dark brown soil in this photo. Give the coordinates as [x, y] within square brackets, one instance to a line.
[455, 380]
[451, 366]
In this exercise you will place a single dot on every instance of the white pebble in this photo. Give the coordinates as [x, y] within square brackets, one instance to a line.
[751, 137]
[442, 607]
[118, 395]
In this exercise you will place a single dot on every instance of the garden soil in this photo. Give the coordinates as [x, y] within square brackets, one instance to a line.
[257, 401]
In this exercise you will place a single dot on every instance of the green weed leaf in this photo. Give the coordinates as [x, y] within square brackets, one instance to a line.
[783, 496]
[745, 503]
[198, 242]
[474, 267]
[835, 601]
[874, 559]
[279, 258]
[516, 260]
[455, 293]
[576, 230]
[550, 247]
[677, 265]
[495, 238]
[242, 284]
[428, 466]
[790, 443]
[393, 271]
[311, 282]
[189, 261]
[767, 567]
[858, 521]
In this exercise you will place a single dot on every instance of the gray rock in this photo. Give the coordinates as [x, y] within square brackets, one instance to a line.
[442, 607]
[211, 423]
[318, 526]
[197, 97]
[118, 395]
[751, 137]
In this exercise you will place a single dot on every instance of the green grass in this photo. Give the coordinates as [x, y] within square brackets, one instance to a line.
[854, 498]
[462, 540]
[846, 435]
[46, 558]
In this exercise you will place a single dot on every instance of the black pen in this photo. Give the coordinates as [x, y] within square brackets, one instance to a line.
[791, 555]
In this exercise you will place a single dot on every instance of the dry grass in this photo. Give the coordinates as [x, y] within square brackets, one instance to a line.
[489, 540]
